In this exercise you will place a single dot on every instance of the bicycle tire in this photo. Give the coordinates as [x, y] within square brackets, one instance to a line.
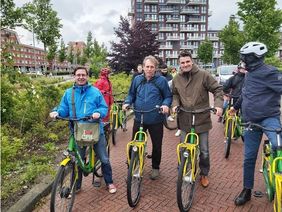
[63, 189]
[134, 180]
[185, 185]
[114, 130]
[97, 171]
[266, 176]
[227, 144]
[123, 120]
[171, 125]
[276, 203]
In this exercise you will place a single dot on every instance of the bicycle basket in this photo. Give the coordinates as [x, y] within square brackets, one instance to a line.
[86, 133]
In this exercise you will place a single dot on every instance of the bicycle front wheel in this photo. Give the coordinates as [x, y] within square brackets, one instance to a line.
[227, 144]
[267, 175]
[134, 180]
[63, 190]
[185, 184]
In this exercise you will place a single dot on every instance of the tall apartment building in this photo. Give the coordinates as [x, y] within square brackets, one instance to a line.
[180, 24]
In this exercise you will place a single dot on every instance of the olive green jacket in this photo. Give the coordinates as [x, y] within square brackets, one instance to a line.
[191, 91]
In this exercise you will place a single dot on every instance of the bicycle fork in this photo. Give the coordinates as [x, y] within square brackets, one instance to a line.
[137, 146]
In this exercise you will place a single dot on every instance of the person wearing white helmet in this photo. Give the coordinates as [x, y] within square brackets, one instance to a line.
[260, 103]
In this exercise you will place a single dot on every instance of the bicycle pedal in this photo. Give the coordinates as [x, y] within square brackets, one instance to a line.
[258, 194]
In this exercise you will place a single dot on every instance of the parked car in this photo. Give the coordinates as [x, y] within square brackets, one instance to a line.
[224, 72]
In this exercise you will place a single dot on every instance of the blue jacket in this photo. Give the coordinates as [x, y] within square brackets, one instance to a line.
[261, 93]
[88, 100]
[145, 95]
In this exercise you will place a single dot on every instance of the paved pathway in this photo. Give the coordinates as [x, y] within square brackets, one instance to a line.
[160, 195]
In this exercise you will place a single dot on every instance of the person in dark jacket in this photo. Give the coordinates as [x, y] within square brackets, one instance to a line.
[260, 103]
[147, 91]
[138, 72]
[233, 86]
[165, 73]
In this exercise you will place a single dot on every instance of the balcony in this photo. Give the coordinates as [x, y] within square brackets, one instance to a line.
[165, 29]
[172, 56]
[196, 20]
[174, 2]
[197, 2]
[166, 47]
[150, 20]
[151, 1]
[213, 38]
[189, 29]
[166, 10]
[173, 38]
[188, 47]
[173, 20]
[198, 38]
[189, 11]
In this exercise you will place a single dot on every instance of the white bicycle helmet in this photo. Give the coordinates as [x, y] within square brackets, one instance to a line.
[259, 49]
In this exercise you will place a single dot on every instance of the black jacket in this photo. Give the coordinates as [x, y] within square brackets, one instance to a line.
[261, 93]
[234, 84]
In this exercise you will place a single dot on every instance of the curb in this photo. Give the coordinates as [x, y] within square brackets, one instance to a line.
[29, 200]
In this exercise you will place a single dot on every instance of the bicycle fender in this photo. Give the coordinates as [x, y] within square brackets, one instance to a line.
[65, 162]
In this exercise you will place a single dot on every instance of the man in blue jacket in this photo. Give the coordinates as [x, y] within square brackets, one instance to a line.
[260, 103]
[88, 102]
[147, 91]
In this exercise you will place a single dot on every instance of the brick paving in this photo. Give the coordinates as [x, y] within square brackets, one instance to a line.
[160, 195]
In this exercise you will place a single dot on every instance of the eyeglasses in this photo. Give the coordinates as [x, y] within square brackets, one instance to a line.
[80, 75]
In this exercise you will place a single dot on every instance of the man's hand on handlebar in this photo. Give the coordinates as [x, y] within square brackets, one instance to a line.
[53, 114]
[125, 107]
[164, 109]
[96, 115]
[219, 111]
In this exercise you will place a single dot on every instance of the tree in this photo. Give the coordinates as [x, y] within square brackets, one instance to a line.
[88, 51]
[262, 22]
[10, 15]
[62, 52]
[51, 54]
[98, 59]
[43, 21]
[70, 56]
[134, 45]
[205, 51]
[233, 39]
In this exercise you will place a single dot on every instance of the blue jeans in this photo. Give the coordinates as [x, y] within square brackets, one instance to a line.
[101, 151]
[252, 142]
[204, 151]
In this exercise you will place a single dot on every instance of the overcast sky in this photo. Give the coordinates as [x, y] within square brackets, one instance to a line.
[100, 17]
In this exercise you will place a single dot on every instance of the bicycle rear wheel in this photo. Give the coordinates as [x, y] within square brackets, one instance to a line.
[123, 120]
[114, 129]
[63, 189]
[185, 184]
[227, 144]
[134, 180]
[170, 121]
[277, 205]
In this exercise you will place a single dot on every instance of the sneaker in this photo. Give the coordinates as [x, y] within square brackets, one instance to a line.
[155, 174]
[178, 132]
[204, 181]
[112, 188]
[170, 118]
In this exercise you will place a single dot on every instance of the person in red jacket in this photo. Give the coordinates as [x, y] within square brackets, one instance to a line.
[105, 86]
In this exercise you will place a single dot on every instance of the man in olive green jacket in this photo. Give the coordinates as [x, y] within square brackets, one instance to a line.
[190, 90]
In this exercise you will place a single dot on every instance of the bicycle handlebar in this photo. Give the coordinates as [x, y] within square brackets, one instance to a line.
[197, 111]
[157, 107]
[75, 119]
[231, 96]
[250, 125]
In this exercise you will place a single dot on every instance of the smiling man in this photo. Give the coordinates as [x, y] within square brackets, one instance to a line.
[190, 89]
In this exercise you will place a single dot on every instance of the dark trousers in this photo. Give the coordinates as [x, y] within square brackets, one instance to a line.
[156, 132]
